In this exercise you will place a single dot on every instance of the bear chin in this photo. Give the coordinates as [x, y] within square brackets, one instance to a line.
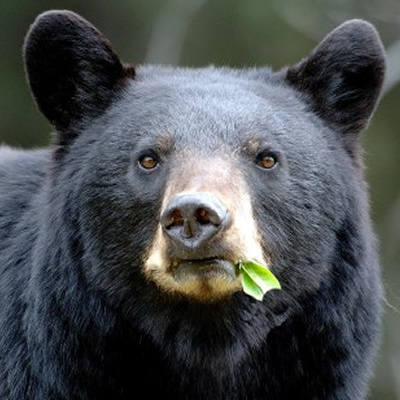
[207, 269]
[204, 280]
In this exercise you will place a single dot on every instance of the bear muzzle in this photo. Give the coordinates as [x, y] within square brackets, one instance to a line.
[206, 226]
[191, 222]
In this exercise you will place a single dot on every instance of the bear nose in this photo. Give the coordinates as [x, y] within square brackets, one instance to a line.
[191, 220]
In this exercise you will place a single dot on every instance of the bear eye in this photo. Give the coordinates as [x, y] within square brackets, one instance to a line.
[148, 162]
[266, 160]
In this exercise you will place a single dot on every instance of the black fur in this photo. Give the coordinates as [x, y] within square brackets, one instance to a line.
[79, 320]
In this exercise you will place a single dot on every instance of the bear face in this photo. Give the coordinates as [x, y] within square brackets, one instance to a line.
[206, 131]
[211, 138]
[160, 180]
[209, 131]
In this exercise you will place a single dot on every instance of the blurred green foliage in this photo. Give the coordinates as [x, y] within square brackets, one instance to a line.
[234, 33]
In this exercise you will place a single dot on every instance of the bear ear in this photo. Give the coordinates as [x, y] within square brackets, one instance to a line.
[72, 70]
[343, 76]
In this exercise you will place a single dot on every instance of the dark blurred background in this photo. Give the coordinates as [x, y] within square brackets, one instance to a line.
[235, 33]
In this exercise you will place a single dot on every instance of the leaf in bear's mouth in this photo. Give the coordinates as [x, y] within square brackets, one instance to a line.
[256, 279]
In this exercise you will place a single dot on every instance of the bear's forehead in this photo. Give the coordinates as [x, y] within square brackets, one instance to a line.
[232, 91]
[199, 104]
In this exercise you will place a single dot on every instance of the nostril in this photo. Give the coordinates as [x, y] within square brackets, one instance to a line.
[202, 216]
[175, 219]
[207, 216]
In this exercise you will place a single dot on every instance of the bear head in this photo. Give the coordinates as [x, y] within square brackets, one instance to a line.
[169, 177]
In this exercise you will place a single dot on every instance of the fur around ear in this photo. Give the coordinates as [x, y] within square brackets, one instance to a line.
[72, 70]
[343, 76]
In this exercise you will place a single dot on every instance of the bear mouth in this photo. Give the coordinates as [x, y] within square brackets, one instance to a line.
[208, 269]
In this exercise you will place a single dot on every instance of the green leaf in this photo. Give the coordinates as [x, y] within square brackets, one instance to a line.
[251, 288]
[256, 279]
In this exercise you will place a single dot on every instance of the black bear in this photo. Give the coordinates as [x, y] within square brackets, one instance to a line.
[119, 245]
